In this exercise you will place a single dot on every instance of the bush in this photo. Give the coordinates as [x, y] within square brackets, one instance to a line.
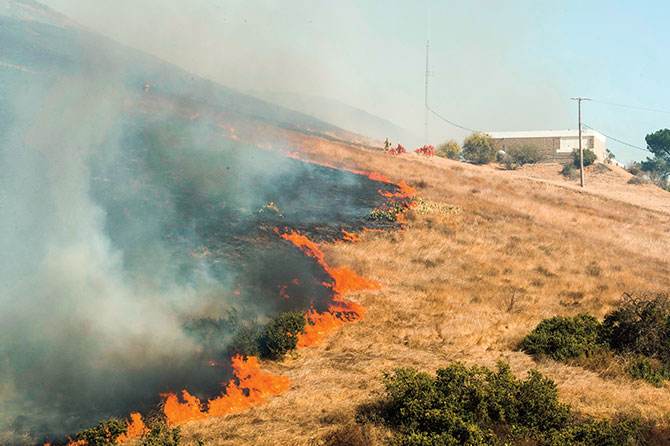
[525, 155]
[638, 179]
[640, 325]
[161, 435]
[449, 149]
[654, 372]
[478, 148]
[635, 168]
[246, 341]
[569, 171]
[104, 434]
[469, 405]
[600, 433]
[281, 335]
[589, 157]
[562, 338]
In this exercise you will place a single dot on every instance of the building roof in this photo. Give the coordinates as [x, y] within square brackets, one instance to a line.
[547, 134]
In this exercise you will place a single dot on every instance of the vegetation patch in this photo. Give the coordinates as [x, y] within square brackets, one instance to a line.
[478, 148]
[638, 179]
[479, 406]
[449, 149]
[588, 154]
[273, 340]
[562, 338]
[570, 171]
[423, 206]
[518, 156]
[637, 331]
[105, 433]
[391, 213]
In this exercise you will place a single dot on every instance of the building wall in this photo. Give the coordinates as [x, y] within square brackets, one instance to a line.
[555, 149]
[548, 146]
[600, 149]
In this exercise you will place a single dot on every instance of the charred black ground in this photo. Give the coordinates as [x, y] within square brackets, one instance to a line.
[211, 206]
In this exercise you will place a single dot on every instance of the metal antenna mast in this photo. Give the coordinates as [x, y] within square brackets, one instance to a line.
[427, 72]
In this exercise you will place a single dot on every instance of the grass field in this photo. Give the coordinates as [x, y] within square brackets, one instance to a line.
[466, 282]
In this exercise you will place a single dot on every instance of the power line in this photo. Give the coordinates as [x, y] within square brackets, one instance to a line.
[633, 107]
[619, 141]
[451, 122]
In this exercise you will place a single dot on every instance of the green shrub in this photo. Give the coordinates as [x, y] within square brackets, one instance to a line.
[281, 335]
[589, 157]
[654, 372]
[449, 149]
[104, 434]
[562, 338]
[389, 213]
[641, 325]
[246, 341]
[161, 435]
[478, 148]
[599, 433]
[468, 405]
[524, 155]
[569, 171]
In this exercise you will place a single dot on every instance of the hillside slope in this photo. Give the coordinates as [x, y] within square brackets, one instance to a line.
[466, 284]
[40, 47]
[341, 115]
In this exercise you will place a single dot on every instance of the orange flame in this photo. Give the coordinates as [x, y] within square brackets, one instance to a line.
[372, 230]
[253, 387]
[405, 190]
[350, 236]
[344, 281]
[136, 428]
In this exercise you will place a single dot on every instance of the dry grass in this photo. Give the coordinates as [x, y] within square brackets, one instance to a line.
[467, 286]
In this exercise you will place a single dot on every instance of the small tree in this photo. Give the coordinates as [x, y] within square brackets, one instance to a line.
[562, 338]
[589, 157]
[449, 149]
[478, 148]
[518, 156]
[281, 335]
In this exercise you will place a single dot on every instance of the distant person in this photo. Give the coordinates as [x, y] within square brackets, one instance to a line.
[387, 145]
[146, 87]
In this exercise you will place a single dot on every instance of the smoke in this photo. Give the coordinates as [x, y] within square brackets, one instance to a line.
[123, 216]
[71, 313]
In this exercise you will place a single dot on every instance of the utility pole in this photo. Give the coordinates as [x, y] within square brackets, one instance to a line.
[581, 150]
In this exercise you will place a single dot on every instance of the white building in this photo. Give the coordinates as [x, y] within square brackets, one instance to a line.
[557, 145]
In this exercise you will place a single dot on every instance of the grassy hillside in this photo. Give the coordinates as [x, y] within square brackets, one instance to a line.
[466, 282]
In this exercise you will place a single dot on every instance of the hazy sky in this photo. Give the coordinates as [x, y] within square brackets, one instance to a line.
[496, 65]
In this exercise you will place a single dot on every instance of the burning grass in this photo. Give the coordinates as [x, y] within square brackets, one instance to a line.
[444, 292]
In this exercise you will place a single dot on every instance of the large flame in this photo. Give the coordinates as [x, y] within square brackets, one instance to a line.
[253, 387]
[344, 281]
[136, 428]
